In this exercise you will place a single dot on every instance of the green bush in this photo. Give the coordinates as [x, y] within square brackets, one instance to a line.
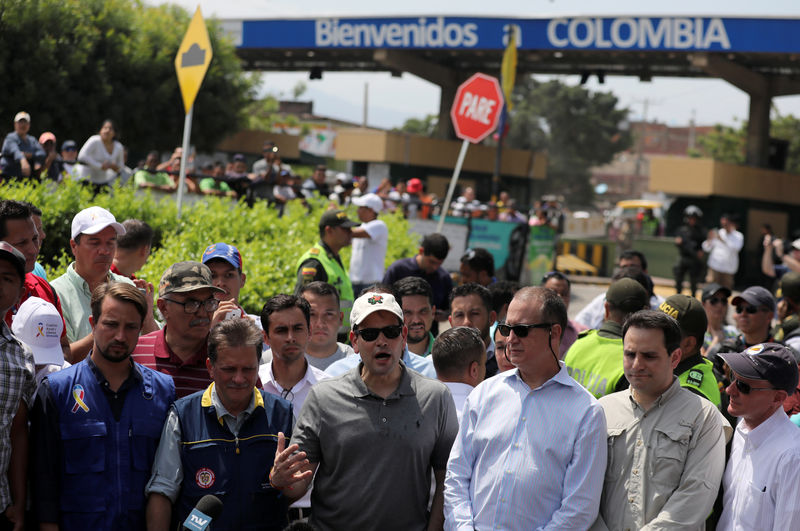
[270, 245]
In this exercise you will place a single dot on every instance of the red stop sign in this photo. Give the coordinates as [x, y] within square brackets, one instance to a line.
[476, 109]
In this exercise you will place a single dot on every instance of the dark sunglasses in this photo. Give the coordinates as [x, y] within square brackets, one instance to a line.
[520, 330]
[371, 334]
[716, 300]
[749, 309]
[745, 388]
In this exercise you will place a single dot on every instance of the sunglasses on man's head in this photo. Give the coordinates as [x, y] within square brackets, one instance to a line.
[749, 308]
[520, 330]
[371, 334]
[745, 388]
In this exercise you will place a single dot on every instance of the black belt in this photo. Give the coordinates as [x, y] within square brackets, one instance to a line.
[299, 513]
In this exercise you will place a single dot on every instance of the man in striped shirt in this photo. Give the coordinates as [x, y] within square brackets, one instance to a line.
[186, 300]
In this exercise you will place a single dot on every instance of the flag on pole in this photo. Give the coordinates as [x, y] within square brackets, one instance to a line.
[508, 69]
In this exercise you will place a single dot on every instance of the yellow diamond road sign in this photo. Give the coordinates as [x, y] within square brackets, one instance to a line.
[193, 59]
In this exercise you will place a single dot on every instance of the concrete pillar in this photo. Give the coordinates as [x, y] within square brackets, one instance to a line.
[757, 153]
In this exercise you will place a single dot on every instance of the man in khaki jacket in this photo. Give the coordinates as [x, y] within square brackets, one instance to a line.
[666, 445]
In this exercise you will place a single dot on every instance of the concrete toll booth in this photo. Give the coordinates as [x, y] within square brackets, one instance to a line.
[760, 56]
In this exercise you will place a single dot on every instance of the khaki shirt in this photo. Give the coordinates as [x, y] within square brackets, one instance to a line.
[664, 465]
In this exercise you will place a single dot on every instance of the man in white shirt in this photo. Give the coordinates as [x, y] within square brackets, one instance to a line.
[505, 472]
[370, 240]
[459, 357]
[323, 349]
[286, 320]
[723, 246]
[760, 484]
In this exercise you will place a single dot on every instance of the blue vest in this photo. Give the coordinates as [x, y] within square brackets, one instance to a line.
[234, 469]
[105, 464]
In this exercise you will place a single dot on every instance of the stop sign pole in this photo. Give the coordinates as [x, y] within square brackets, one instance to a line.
[475, 113]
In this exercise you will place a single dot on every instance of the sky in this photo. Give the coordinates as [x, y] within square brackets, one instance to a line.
[674, 101]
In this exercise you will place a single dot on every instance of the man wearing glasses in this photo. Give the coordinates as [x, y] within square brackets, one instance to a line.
[760, 484]
[666, 444]
[186, 300]
[374, 433]
[754, 309]
[506, 472]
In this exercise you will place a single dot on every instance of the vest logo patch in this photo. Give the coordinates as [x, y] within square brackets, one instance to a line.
[313, 250]
[694, 377]
[205, 478]
[375, 299]
[78, 394]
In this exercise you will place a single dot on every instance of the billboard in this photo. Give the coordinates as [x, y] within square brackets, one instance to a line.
[628, 33]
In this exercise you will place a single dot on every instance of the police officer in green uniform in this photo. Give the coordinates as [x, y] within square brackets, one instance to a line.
[322, 261]
[694, 371]
[595, 359]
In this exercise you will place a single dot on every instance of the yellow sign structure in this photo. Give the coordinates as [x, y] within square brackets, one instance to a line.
[194, 56]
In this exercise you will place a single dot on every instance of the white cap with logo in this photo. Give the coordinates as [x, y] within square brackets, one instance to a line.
[372, 302]
[94, 219]
[38, 324]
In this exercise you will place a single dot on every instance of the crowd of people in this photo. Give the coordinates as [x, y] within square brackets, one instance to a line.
[447, 399]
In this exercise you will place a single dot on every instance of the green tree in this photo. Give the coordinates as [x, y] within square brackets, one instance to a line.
[73, 63]
[420, 126]
[578, 129]
[724, 143]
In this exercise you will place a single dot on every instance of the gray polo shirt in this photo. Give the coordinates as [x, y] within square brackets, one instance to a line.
[375, 456]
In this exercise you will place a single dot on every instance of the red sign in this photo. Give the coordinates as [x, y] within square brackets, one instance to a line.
[476, 109]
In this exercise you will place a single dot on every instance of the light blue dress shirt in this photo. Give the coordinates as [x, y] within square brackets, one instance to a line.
[424, 366]
[527, 458]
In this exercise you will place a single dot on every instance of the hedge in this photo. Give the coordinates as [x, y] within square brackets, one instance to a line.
[270, 245]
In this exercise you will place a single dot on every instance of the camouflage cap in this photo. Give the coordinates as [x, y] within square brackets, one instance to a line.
[184, 277]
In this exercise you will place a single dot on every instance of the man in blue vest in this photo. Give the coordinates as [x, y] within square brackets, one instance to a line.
[96, 424]
[222, 441]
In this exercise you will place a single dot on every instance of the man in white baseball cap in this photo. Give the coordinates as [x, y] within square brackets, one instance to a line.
[383, 388]
[370, 240]
[93, 243]
[38, 324]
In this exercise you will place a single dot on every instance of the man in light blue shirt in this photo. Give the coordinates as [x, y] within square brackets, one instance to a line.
[531, 449]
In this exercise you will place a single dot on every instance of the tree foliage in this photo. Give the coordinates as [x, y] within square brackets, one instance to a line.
[73, 63]
[420, 126]
[579, 129]
[724, 143]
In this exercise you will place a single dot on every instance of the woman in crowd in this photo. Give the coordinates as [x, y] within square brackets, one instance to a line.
[102, 157]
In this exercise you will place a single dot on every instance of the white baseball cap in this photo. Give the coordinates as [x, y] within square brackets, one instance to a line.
[372, 302]
[372, 201]
[38, 324]
[22, 115]
[94, 219]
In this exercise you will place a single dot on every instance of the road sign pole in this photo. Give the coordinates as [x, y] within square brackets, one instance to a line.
[452, 187]
[187, 131]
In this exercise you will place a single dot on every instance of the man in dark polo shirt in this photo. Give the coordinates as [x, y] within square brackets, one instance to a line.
[427, 264]
[373, 434]
[186, 300]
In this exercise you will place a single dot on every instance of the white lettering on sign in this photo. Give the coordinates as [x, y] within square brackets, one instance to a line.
[626, 32]
[476, 107]
[421, 34]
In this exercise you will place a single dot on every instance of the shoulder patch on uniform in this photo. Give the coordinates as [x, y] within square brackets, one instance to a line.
[313, 250]
[308, 271]
[694, 377]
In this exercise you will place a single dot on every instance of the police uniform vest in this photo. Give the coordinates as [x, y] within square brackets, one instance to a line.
[106, 463]
[337, 277]
[697, 374]
[235, 469]
[595, 362]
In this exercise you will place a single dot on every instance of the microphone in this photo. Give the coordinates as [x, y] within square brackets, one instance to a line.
[208, 508]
